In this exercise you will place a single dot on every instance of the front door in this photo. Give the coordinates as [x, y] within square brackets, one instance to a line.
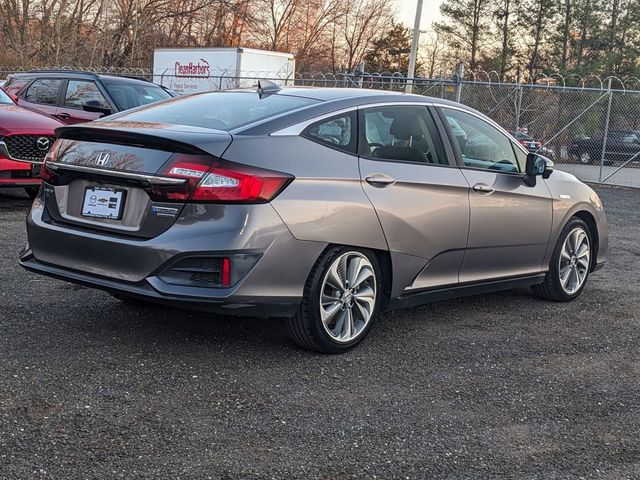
[419, 194]
[510, 222]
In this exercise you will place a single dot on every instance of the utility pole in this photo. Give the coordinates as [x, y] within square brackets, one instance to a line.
[414, 48]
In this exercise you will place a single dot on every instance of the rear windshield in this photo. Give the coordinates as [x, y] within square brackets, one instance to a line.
[218, 110]
[130, 95]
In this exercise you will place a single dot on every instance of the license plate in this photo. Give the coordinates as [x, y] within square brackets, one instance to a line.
[103, 202]
[35, 169]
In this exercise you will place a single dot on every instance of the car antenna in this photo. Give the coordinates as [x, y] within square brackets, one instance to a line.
[265, 87]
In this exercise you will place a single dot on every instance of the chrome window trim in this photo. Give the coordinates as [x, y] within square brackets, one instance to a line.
[152, 179]
[297, 128]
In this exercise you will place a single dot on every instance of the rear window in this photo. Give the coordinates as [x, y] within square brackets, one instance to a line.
[218, 110]
[131, 95]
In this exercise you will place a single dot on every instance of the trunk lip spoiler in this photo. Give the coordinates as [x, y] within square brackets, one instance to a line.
[151, 179]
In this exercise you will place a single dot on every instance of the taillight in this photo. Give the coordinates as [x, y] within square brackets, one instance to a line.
[210, 180]
[45, 173]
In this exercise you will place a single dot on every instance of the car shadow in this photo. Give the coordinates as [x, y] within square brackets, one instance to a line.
[175, 329]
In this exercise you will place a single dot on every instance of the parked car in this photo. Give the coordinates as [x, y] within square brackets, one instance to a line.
[75, 97]
[621, 146]
[532, 145]
[25, 138]
[326, 206]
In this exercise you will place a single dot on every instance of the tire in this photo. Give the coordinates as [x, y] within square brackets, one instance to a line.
[343, 306]
[32, 192]
[579, 263]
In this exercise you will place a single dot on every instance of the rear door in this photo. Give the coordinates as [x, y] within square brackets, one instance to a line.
[77, 94]
[510, 222]
[42, 95]
[420, 196]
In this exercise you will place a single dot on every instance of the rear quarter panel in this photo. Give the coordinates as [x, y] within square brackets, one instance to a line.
[325, 202]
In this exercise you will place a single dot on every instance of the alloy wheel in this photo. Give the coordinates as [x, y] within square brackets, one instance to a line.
[574, 260]
[348, 296]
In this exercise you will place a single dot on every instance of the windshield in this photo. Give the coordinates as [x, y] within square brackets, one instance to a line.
[131, 95]
[218, 110]
[4, 98]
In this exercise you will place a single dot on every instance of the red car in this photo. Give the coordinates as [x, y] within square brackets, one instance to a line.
[25, 138]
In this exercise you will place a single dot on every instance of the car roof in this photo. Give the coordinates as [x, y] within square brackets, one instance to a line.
[78, 74]
[331, 99]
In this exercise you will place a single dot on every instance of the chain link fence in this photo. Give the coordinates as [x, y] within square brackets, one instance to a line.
[591, 130]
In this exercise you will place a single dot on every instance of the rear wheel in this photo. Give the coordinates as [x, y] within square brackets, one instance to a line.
[570, 264]
[341, 298]
[32, 191]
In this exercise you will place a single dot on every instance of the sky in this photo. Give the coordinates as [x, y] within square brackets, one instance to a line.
[430, 12]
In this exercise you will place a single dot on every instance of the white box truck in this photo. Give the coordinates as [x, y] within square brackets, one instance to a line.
[190, 70]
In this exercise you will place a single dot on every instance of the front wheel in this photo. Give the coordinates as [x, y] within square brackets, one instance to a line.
[570, 263]
[341, 298]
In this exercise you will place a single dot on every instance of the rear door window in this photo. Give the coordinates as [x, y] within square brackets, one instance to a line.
[337, 132]
[44, 91]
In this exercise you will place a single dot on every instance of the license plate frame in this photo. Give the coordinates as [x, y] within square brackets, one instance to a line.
[106, 203]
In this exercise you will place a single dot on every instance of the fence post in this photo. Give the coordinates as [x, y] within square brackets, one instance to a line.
[459, 75]
[518, 105]
[606, 129]
[361, 75]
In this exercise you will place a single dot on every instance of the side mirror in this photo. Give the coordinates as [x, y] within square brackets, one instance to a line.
[96, 107]
[537, 165]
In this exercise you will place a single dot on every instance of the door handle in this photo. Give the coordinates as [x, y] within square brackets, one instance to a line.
[63, 116]
[483, 188]
[380, 179]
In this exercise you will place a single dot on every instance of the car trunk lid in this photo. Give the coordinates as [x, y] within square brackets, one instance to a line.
[112, 176]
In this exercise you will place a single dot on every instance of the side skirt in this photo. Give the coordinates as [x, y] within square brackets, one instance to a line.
[456, 291]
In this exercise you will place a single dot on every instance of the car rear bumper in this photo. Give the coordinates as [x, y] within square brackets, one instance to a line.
[235, 305]
[134, 267]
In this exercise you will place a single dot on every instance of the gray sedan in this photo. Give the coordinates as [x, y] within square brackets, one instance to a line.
[325, 206]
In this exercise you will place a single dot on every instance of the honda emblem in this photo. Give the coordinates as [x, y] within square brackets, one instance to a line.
[102, 158]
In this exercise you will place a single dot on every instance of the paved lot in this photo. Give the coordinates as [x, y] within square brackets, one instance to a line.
[501, 386]
[628, 176]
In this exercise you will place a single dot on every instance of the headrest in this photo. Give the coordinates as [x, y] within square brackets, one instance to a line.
[405, 127]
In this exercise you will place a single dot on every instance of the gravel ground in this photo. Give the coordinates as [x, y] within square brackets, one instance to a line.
[500, 386]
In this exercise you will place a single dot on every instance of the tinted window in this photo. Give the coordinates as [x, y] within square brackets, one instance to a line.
[337, 132]
[43, 91]
[481, 144]
[218, 110]
[130, 95]
[402, 133]
[80, 92]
